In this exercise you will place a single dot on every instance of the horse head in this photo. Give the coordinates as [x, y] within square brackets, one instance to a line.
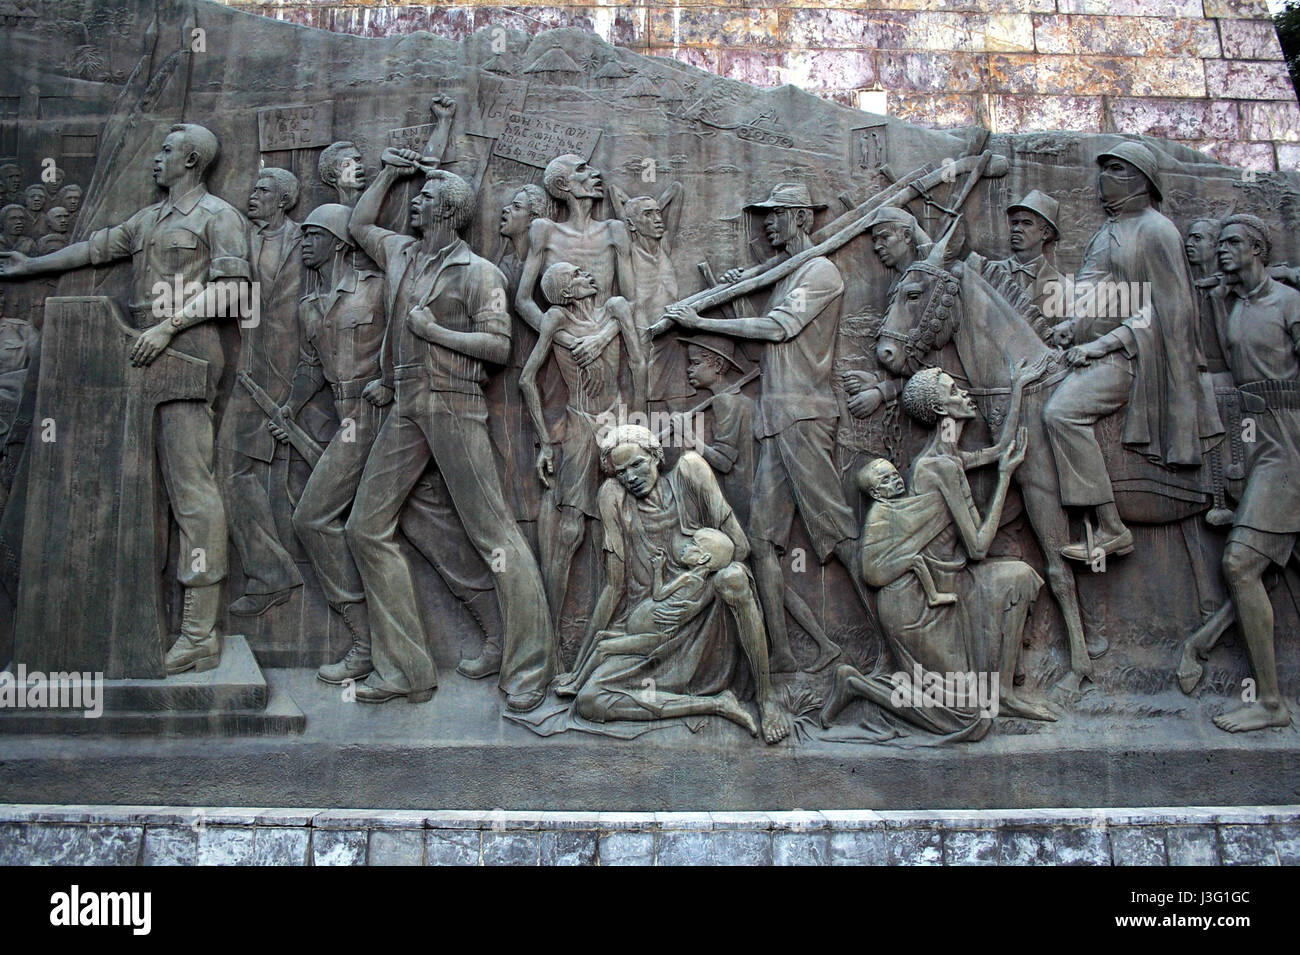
[923, 311]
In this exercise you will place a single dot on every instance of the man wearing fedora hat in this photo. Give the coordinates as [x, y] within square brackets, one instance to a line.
[1137, 350]
[1034, 233]
[797, 413]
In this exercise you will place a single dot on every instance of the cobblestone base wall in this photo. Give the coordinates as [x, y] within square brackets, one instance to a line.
[1208, 73]
[124, 835]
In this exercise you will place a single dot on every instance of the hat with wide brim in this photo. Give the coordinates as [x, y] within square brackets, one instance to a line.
[1139, 156]
[718, 344]
[788, 195]
[1041, 205]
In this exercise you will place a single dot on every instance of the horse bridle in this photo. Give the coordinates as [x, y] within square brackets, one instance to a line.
[920, 339]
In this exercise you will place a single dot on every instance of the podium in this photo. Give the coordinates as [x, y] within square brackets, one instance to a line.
[90, 595]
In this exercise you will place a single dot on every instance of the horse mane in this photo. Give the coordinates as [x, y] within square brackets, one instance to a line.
[1009, 289]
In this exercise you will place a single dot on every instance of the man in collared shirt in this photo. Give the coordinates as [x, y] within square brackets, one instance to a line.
[797, 414]
[1034, 233]
[342, 335]
[194, 241]
[1260, 335]
[447, 319]
[268, 353]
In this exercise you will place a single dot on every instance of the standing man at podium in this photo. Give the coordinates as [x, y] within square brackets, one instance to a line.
[199, 243]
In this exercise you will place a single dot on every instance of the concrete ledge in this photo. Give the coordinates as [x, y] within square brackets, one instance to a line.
[161, 835]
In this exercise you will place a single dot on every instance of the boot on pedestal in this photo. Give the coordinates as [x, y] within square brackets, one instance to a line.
[198, 647]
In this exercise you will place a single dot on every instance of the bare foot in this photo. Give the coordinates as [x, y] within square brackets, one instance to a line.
[1190, 670]
[564, 685]
[839, 697]
[782, 663]
[776, 724]
[1253, 716]
[1012, 705]
[730, 708]
[941, 600]
[828, 651]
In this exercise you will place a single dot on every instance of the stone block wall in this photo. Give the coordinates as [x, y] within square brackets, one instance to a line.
[150, 836]
[1208, 73]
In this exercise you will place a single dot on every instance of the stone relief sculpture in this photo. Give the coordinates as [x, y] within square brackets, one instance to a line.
[567, 461]
[509, 423]
[1260, 340]
[796, 414]
[451, 318]
[651, 224]
[602, 247]
[972, 622]
[202, 239]
[674, 654]
[268, 354]
[1033, 235]
[343, 325]
[1126, 358]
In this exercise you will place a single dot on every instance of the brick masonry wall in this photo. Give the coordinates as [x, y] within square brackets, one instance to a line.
[1207, 73]
[125, 835]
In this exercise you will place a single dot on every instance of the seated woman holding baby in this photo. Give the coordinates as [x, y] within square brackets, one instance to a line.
[946, 612]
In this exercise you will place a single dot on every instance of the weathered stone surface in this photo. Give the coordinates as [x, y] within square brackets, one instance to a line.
[511, 848]
[1257, 156]
[1138, 845]
[396, 847]
[1278, 121]
[937, 110]
[1176, 118]
[627, 848]
[1236, 9]
[1132, 36]
[51, 844]
[1126, 76]
[1244, 79]
[970, 847]
[827, 69]
[914, 846]
[752, 28]
[1192, 845]
[1132, 8]
[859, 847]
[925, 73]
[1288, 156]
[167, 845]
[227, 845]
[719, 847]
[801, 848]
[338, 847]
[274, 845]
[1250, 40]
[1247, 845]
[1082, 845]
[970, 33]
[452, 846]
[1025, 847]
[1028, 113]
[569, 847]
[1286, 841]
